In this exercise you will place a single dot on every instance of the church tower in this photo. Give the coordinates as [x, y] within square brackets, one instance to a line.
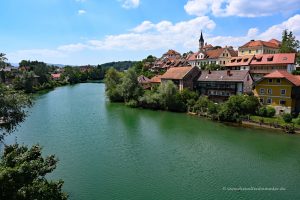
[201, 42]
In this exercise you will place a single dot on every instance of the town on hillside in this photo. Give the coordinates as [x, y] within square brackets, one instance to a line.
[256, 67]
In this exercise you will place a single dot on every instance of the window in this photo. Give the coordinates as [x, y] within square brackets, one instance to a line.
[269, 101]
[269, 91]
[283, 92]
[270, 80]
[262, 91]
[261, 100]
[278, 80]
[249, 51]
[256, 50]
[242, 52]
[282, 102]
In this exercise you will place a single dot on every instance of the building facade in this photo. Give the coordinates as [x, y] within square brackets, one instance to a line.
[220, 85]
[281, 90]
[255, 47]
[182, 77]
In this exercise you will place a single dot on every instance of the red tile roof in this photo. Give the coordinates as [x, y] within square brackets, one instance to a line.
[156, 79]
[55, 75]
[240, 61]
[259, 43]
[284, 74]
[177, 73]
[278, 58]
[211, 54]
[224, 75]
[143, 79]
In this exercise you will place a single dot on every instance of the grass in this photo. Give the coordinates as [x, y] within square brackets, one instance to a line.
[276, 119]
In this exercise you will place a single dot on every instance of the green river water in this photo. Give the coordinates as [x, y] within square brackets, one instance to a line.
[111, 152]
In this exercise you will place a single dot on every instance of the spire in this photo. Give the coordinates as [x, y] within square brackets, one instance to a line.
[201, 42]
[201, 38]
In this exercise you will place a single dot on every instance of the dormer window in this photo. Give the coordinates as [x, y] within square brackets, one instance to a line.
[239, 60]
[233, 60]
[270, 58]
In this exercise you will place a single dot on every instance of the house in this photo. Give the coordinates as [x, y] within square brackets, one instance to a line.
[263, 64]
[183, 77]
[254, 47]
[171, 54]
[239, 63]
[281, 90]
[155, 81]
[55, 76]
[219, 56]
[144, 82]
[208, 55]
[220, 85]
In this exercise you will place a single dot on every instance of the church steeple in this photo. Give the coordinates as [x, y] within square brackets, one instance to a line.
[201, 42]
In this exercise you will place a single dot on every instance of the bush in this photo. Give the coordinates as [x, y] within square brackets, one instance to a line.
[132, 103]
[262, 111]
[270, 111]
[287, 118]
[266, 111]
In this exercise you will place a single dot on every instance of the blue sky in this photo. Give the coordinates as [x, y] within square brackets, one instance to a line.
[81, 32]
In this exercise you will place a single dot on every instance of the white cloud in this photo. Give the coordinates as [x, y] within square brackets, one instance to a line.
[242, 8]
[150, 36]
[292, 24]
[81, 12]
[72, 47]
[128, 4]
[182, 36]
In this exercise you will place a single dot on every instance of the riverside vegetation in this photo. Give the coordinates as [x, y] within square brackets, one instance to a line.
[23, 169]
[124, 87]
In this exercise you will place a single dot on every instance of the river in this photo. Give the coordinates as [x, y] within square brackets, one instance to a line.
[109, 151]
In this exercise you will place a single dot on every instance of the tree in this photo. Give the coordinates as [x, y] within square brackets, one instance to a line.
[3, 60]
[12, 109]
[112, 81]
[167, 92]
[130, 87]
[22, 175]
[23, 169]
[289, 42]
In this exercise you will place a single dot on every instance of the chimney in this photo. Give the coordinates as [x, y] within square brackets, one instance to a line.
[252, 40]
[228, 72]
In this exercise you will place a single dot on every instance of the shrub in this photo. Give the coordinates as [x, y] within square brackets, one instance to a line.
[262, 111]
[132, 103]
[270, 111]
[287, 118]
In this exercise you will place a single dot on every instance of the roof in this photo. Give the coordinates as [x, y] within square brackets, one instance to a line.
[171, 52]
[278, 58]
[214, 53]
[277, 42]
[156, 79]
[240, 61]
[143, 79]
[259, 43]
[55, 75]
[176, 73]
[224, 75]
[284, 74]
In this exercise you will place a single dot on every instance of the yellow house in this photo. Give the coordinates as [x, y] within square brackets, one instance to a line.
[281, 90]
[255, 47]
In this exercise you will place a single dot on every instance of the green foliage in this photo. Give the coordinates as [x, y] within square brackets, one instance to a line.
[213, 67]
[12, 109]
[22, 175]
[3, 64]
[167, 92]
[266, 111]
[112, 81]
[132, 103]
[130, 88]
[297, 120]
[287, 118]
[150, 100]
[289, 43]
[238, 106]
[120, 66]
